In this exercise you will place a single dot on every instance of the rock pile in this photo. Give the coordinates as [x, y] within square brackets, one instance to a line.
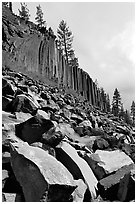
[55, 147]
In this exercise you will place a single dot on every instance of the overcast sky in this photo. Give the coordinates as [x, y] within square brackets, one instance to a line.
[103, 40]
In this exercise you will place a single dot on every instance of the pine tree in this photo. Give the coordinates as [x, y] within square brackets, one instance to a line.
[122, 112]
[103, 98]
[133, 112]
[65, 39]
[107, 103]
[128, 118]
[116, 103]
[24, 12]
[39, 17]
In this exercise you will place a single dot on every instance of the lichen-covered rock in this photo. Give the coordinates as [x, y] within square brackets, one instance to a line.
[31, 130]
[41, 176]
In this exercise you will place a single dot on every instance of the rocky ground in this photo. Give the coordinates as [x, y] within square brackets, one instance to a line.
[56, 147]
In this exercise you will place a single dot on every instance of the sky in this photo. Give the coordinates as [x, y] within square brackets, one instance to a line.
[104, 34]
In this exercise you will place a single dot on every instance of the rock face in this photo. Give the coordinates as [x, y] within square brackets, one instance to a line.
[41, 176]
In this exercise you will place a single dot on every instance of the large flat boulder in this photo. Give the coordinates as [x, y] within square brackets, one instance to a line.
[105, 162]
[32, 129]
[41, 176]
[77, 166]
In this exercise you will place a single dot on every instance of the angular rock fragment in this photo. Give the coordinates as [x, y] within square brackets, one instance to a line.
[77, 166]
[100, 144]
[31, 130]
[7, 87]
[41, 176]
[12, 197]
[23, 103]
[105, 162]
[53, 137]
[118, 186]
[6, 103]
[78, 194]
[45, 147]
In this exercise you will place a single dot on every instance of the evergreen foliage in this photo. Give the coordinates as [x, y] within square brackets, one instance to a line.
[24, 12]
[116, 103]
[65, 39]
[133, 112]
[39, 17]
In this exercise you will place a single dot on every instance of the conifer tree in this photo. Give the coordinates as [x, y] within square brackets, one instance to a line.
[116, 103]
[107, 103]
[24, 12]
[121, 112]
[65, 39]
[133, 112]
[128, 118]
[39, 17]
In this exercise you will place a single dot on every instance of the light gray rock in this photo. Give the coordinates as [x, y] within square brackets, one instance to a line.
[41, 176]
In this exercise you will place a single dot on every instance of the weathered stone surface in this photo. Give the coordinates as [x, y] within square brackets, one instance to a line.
[31, 130]
[53, 137]
[105, 162]
[101, 144]
[126, 190]
[12, 197]
[6, 103]
[86, 123]
[23, 103]
[116, 186]
[5, 157]
[77, 166]
[41, 176]
[45, 147]
[7, 87]
[78, 194]
[22, 116]
[5, 176]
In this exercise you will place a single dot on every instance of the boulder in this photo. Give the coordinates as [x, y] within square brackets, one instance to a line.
[31, 130]
[5, 176]
[104, 163]
[69, 157]
[78, 194]
[22, 116]
[45, 147]
[101, 144]
[12, 197]
[118, 186]
[24, 103]
[86, 123]
[41, 176]
[6, 103]
[53, 137]
[7, 87]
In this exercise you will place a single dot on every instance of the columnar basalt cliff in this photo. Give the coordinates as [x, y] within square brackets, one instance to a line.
[57, 146]
[38, 53]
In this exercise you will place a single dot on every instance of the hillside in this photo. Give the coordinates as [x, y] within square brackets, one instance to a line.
[57, 144]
